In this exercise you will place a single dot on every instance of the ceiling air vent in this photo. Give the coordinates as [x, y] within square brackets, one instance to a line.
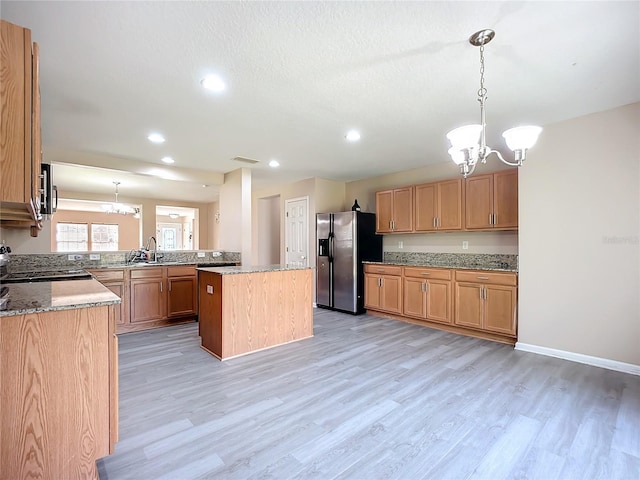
[245, 160]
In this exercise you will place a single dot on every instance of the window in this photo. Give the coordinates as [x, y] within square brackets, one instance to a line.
[72, 237]
[104, 237]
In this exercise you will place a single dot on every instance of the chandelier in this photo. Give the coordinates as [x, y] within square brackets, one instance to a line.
[468, 143]
[116, 207]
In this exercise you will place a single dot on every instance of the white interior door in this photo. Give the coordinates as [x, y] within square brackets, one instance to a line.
[297, 231]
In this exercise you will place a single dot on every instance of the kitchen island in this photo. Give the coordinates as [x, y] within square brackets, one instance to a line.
[59, 377]
[244, 309]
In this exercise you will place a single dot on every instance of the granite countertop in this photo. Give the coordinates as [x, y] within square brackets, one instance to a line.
[452, 266]
[158, 264]
[36, 297]
[251, 269]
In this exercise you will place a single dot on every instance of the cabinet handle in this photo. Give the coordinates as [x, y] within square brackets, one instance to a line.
[426, 287]
[485, 292]
[380, 270]
[490, 219]
[481, 293]
[160, 286]
[425, 273]
[390, 224]
[434, 222]
[495, 218]
[482, 278]
[438, 224]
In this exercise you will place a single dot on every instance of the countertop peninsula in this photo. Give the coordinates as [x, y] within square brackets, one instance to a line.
[36, 297]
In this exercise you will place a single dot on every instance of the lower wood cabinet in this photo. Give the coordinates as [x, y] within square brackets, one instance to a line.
[152, 296]
[59, 396]
[472, 302]
[487, 301]
[427, 294]
[383, 288]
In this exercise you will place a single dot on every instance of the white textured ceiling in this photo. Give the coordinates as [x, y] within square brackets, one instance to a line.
[299, 75]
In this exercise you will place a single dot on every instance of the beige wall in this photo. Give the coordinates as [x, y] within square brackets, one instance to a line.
[235, 219]
[128, 227]
[579, 237]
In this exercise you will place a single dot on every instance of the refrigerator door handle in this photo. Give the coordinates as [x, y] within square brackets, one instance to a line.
[331, 247]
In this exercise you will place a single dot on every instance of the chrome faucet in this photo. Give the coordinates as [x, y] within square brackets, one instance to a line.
[155, 248]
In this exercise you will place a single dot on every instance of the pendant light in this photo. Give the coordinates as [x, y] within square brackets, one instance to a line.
[116, 207]
[468, 143]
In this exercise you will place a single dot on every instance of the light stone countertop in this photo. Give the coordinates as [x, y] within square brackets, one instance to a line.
[157, 264]
[36, 297]
[251, 269]
[451, 266]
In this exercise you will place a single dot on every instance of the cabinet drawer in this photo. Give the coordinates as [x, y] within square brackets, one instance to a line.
[181, 271]
[427, 273]
[102, 275]
[146, 272]
[478, 276]
[383, 269]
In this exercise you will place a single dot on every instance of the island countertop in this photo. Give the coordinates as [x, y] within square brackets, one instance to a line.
[252, 269]
[36, 297]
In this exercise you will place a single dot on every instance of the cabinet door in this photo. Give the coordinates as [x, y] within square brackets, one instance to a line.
[500, 309]
[439, 301]
[426, 207]
[384, 210]
[147, 300]
[415, 300]
[36, 134]
[479, 202]
[16, 101]
[450, 205]
[403, 209]
[505, 199]
[372, 291]
[391, 294]
[181, 296]
[469, 304]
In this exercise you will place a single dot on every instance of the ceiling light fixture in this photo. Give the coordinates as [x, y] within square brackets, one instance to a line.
[468, 143]
[352, 136]
[168, 160]
[274, 163]
[118, 207]
[214, 83]
[173, 215]
[155, 138]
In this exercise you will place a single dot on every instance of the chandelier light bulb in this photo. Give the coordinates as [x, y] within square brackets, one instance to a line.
[521, 138]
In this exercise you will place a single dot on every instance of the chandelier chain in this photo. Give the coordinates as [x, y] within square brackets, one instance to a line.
[482, 92]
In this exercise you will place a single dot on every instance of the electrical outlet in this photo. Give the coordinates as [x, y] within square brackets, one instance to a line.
[75, 257]
[401, 244]
[201, 254]
[94, 256]
[210, 289]
[216, 254]
[465, 245]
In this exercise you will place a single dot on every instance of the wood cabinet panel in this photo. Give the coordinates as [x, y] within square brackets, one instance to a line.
[372, 298]
[438, 206]
[469, 306]
[394, 210]
[120, 290]
[147, 300]
[181, 298]
[478, 276]
[492, 201]
[439, 300]
[383, 292]
[500, 309]
[58, 393]
[415, 300]
[383, 269]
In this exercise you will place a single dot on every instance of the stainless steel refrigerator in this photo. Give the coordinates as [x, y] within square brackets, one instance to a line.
[344, 241]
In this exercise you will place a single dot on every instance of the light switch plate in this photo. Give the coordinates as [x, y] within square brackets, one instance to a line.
[210, 289]
[201, 254]
[75, 257]
[216, 254]
[465, 245]
[94, 256]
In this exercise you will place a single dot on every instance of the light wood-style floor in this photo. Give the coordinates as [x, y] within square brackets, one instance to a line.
[368, 398]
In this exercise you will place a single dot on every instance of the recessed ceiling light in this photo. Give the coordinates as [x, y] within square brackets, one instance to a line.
[214, 83]
[156, 138]
[352, 136]
[274, 163]
[168, 160]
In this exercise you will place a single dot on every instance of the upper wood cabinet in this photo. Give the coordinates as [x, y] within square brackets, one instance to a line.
[20, 139]
[492, 201]
[394, 210]
[438, 206]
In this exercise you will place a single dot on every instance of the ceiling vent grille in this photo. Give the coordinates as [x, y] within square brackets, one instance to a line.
[245, 160]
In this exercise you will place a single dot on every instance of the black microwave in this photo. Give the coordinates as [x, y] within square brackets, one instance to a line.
[48, 191]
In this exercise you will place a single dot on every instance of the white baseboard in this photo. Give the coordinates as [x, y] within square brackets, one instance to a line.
[580, 358]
